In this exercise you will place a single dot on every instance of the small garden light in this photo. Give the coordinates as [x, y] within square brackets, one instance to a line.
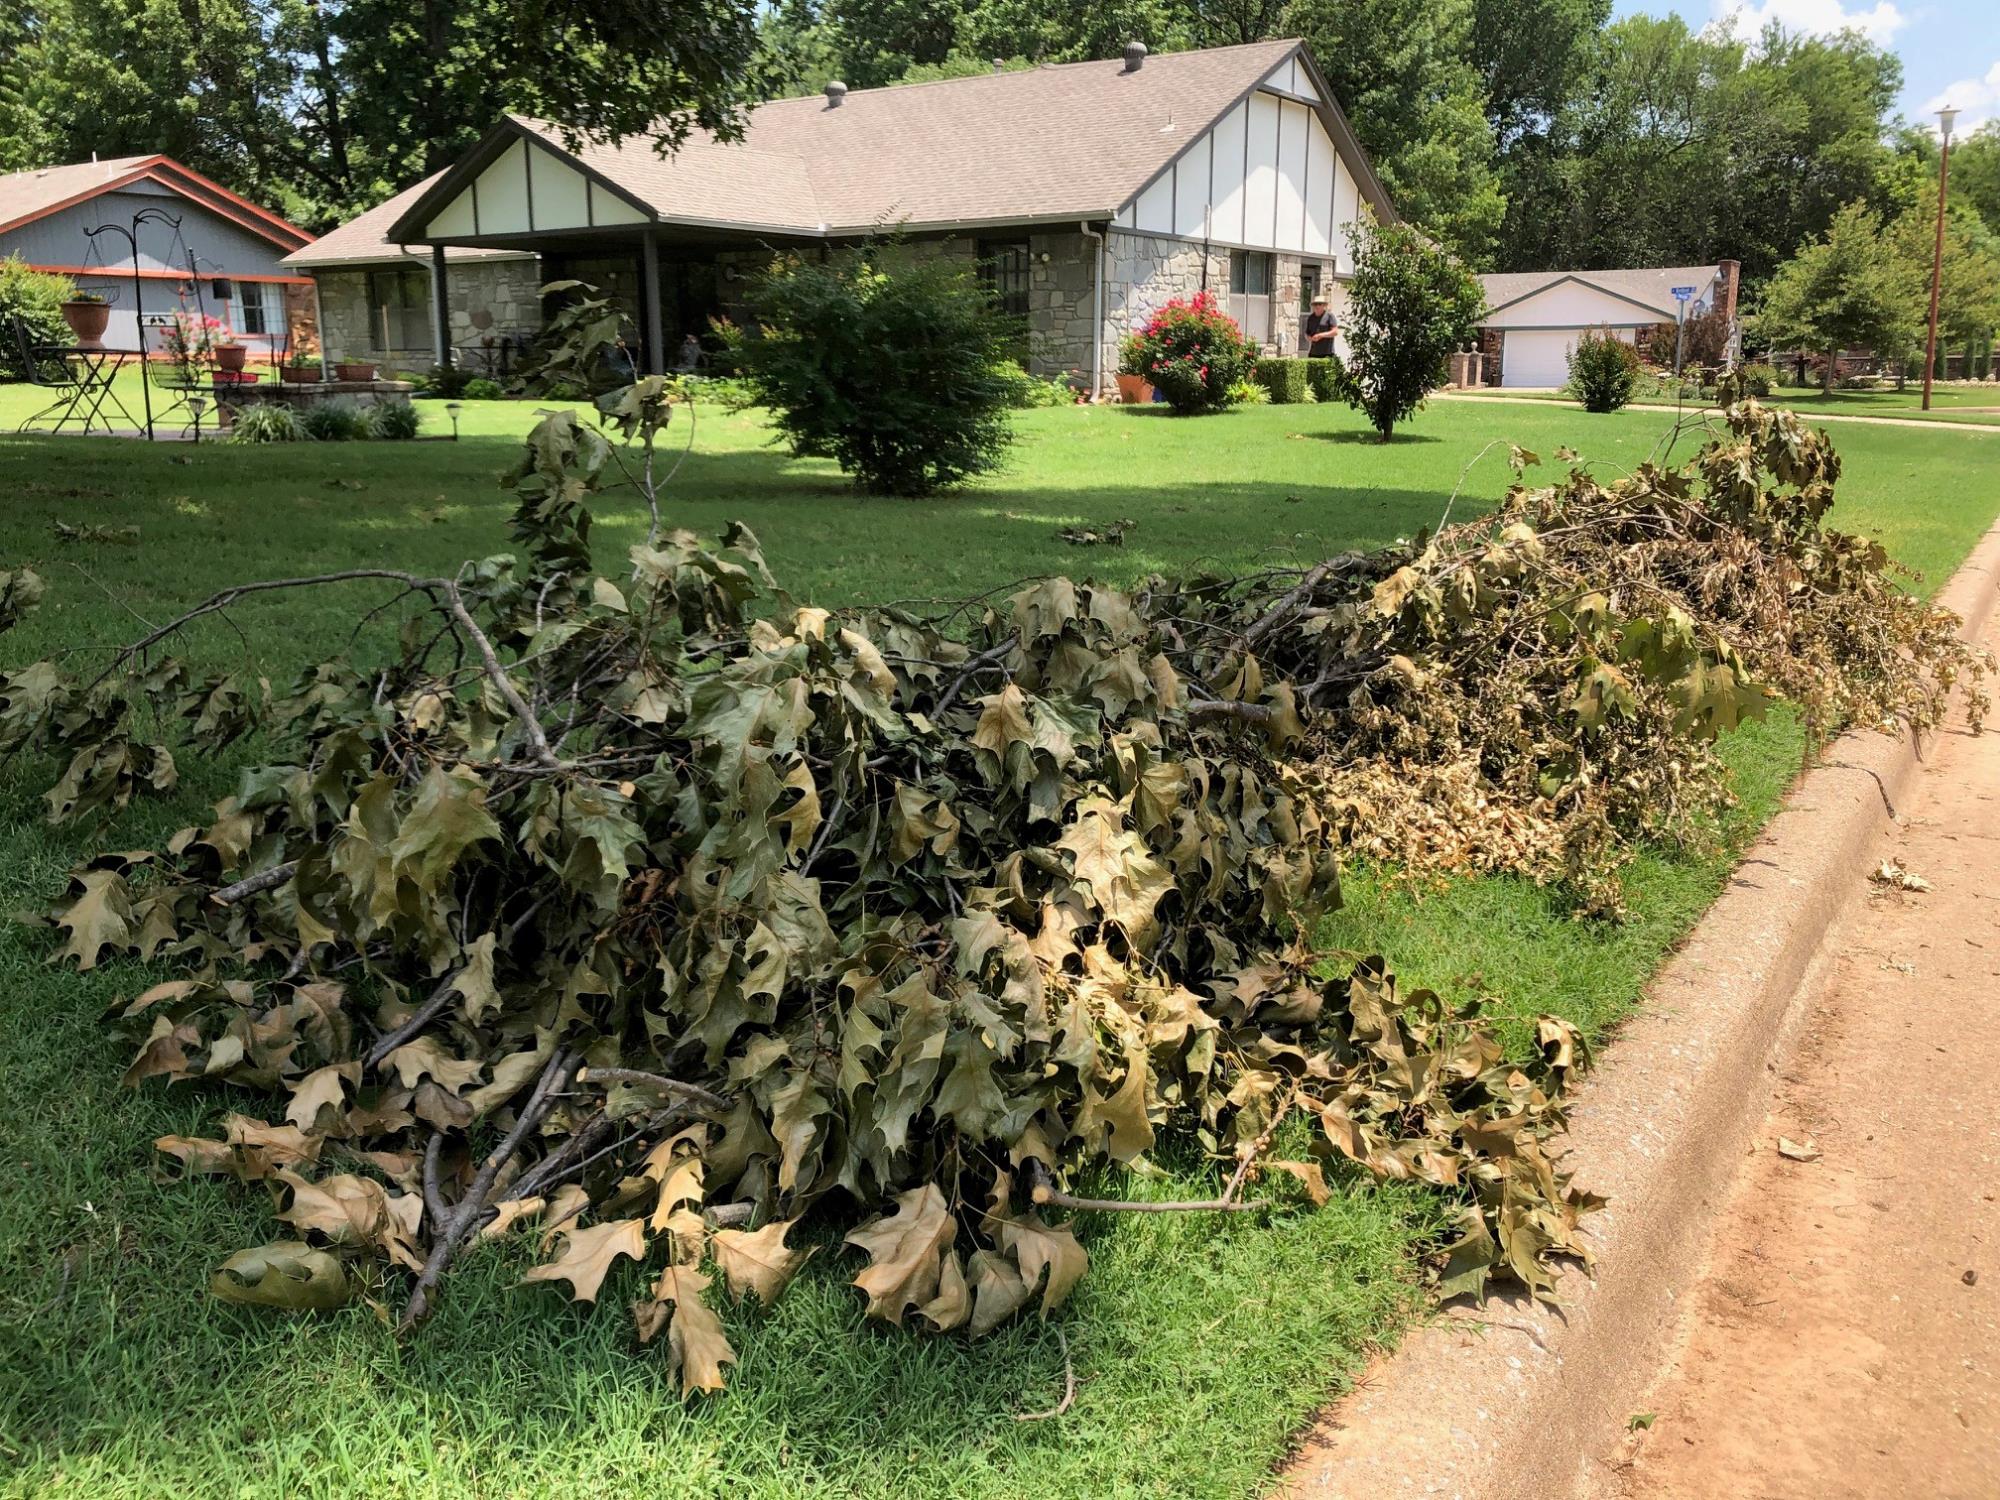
[452, 409]
[197, 405]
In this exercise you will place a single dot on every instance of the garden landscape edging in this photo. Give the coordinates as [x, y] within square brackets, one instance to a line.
[1510, 1399]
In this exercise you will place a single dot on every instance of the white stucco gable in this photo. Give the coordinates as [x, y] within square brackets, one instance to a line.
[529, 189]
[1570, 303]
[1267, 175]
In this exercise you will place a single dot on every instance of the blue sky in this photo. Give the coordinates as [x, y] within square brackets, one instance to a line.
[1950, 48]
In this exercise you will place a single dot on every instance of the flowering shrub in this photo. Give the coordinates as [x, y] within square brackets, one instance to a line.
[192, 338]
[1193, 353]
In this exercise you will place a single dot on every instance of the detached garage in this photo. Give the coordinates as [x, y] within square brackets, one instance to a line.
[1534, 318]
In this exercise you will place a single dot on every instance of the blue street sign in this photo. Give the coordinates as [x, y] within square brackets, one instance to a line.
[1682, 293]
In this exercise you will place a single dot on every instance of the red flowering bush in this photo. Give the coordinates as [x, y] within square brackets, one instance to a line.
[1193, 352]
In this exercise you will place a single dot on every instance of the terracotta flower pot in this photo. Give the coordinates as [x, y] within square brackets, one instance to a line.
[1134, 390]
[347, 370]
[87, 320]
[299, 374]
[230, 356]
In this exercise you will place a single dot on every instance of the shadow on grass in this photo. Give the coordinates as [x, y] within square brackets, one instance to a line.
[1372, 439]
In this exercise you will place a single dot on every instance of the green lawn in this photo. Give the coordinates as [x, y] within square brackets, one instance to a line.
[1199, 1346]
[1974, 405]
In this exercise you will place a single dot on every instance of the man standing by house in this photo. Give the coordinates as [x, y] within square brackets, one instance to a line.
[1321, 330]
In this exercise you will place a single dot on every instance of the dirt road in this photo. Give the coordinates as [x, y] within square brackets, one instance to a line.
[1845, 1339]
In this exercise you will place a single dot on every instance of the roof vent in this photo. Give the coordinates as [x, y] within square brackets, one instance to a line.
[1135, 54]
[835, 92]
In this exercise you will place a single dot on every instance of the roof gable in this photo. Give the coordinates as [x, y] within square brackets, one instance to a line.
[1646, 289]
[37, 193]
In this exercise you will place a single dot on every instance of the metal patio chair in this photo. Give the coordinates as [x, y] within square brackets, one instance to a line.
[52, 371]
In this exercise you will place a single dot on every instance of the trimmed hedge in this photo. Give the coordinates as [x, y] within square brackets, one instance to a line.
[1323, 375]
[1286, 379]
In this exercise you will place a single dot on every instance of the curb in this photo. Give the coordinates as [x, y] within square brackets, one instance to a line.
[1521, 1403]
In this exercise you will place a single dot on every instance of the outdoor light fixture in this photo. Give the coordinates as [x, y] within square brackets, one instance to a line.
[197, 405]
[452, 409]
[222, 289]
[1945, 118]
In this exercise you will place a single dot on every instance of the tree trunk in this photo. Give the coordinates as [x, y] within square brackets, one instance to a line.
[1826, 377]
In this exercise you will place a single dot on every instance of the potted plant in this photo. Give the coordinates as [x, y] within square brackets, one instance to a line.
[304, 364]
[353, 369]
[88, 315]
[229, 355]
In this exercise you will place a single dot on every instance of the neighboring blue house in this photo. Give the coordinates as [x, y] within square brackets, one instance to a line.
[221, 237]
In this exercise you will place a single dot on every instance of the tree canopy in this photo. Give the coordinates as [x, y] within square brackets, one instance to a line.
[1522, 134]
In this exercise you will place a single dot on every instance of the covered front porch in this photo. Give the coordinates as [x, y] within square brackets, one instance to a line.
[518, 191]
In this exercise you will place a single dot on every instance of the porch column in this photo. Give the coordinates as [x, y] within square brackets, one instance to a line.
[440, 307]
[656, 340]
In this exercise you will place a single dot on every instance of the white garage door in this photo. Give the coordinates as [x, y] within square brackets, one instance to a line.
[1536, 357]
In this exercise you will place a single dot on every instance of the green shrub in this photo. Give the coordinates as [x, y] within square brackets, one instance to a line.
[1324, 376]
[267, 422]
[1759, 379]
[395, 420]
[36, 298]
[1286, 381]
[1193, 354]
[1603, 371]
[479, 388]
[446, 381]
[1249, 393]
[336, 421]
[1027, 391]
[884, 362]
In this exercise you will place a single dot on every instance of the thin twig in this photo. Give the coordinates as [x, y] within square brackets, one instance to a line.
[693, 1092]
[1069, 1388]
[472, 1206]
[265, 880]
[1046, 1193]
[419, 1019]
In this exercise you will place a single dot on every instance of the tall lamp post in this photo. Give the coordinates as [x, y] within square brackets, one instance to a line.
[1945, 117]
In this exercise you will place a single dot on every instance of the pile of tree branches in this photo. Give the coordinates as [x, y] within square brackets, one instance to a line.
[662, 911]
[1540, 689]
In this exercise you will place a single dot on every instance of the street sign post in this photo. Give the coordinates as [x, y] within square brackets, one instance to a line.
[1681, 295]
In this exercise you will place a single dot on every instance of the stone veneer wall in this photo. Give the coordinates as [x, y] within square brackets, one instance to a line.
[1142, 273]
[508, 289]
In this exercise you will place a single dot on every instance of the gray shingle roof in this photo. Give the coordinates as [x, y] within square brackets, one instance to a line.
[364, 240]
[1062, 141]
[1649, 287]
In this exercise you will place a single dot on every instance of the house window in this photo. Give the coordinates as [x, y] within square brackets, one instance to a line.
[399, 310]
[256, 307]
[1308, 287]
[1250, 293]
[1250, 273]
[1005, 268]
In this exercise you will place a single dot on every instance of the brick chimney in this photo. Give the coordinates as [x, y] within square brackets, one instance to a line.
[1728, 276]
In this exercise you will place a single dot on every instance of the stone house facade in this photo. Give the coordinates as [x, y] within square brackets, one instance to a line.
[384, 314]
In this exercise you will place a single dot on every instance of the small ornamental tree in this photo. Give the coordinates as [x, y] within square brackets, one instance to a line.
[886, 362]
[1846, 290]
[1603, 371]
[1193, 353]
[1409, 306]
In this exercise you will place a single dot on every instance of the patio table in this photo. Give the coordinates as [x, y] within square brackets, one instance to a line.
[95, 369]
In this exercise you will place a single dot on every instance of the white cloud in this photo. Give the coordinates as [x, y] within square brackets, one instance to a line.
[1978, 98]
[1878, 22]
